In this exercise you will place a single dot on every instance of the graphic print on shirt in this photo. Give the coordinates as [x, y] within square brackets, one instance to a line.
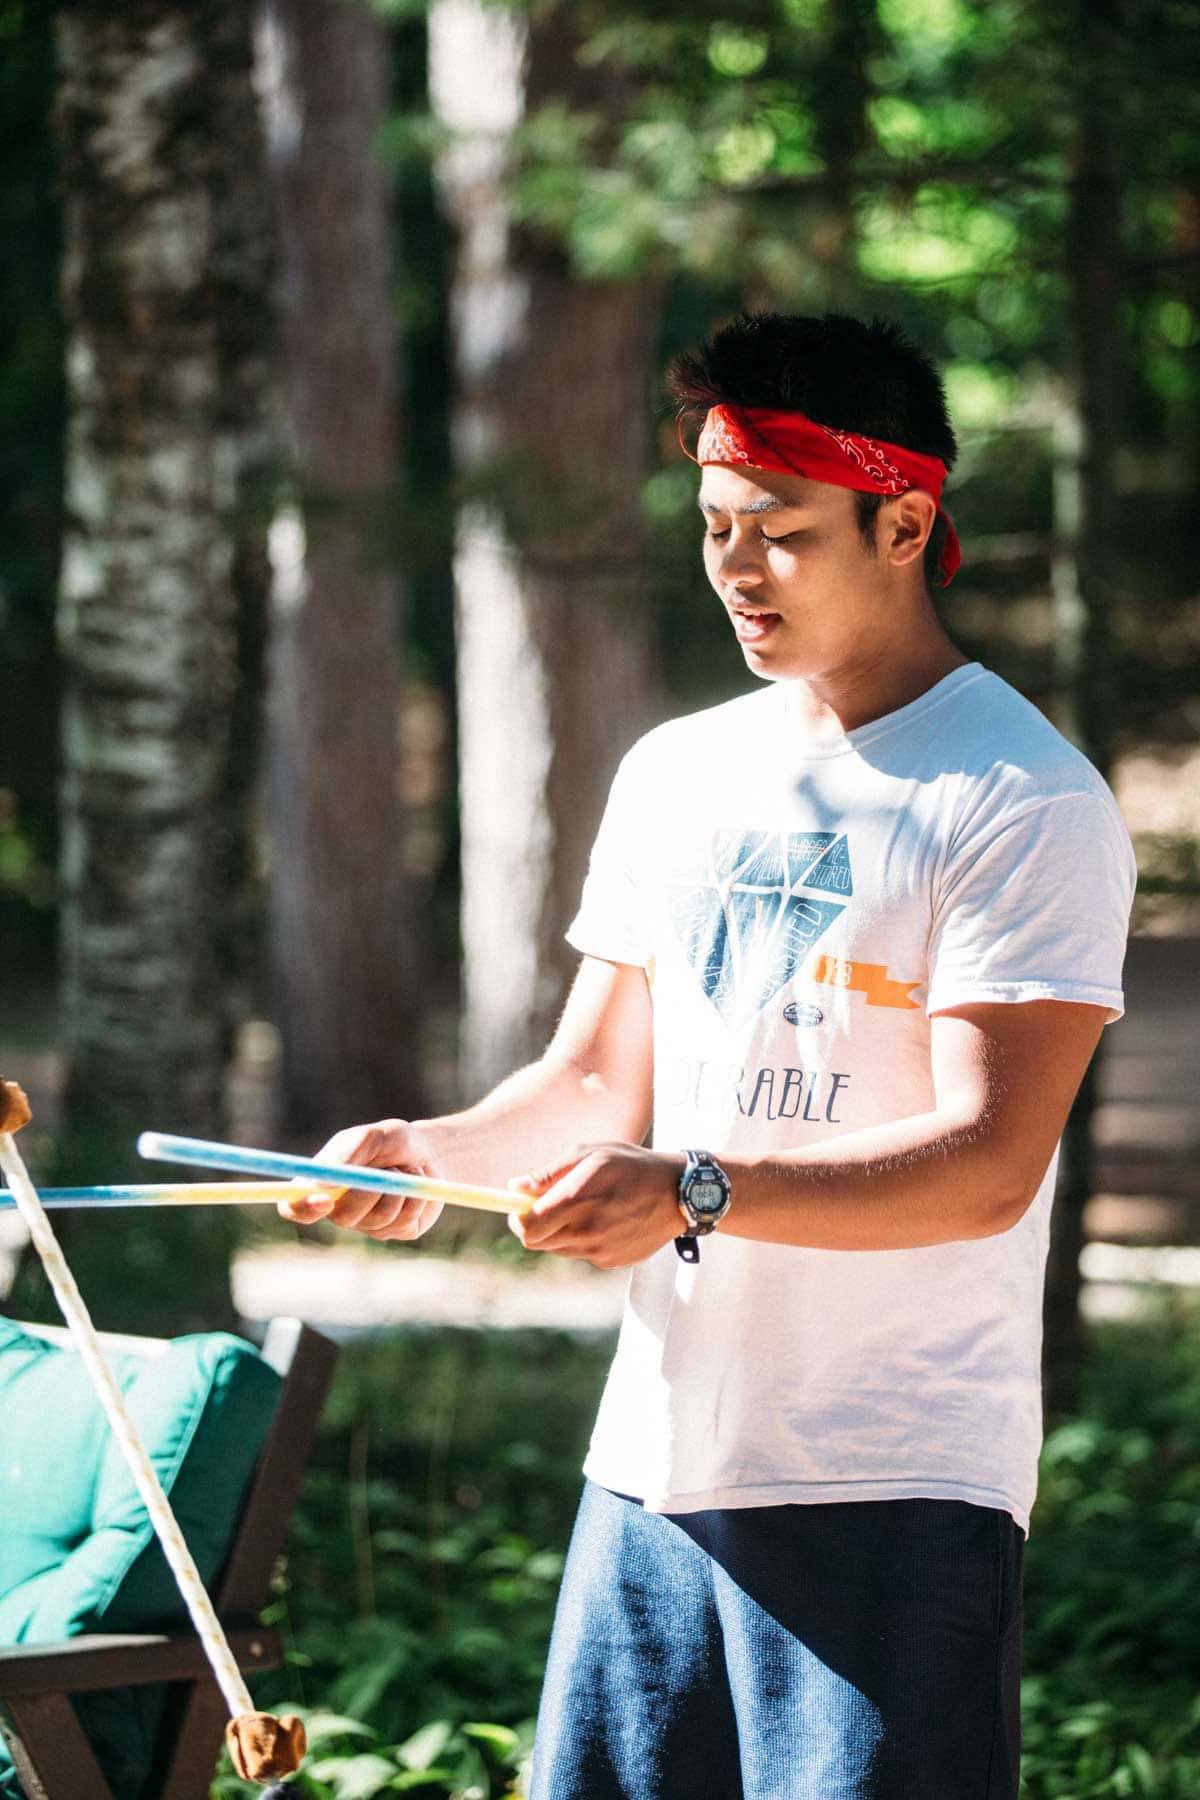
[748, 929]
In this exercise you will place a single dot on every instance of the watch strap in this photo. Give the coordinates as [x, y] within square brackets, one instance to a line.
[687, 1244]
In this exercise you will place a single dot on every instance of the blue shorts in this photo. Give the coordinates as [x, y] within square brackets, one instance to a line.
[866, 1651]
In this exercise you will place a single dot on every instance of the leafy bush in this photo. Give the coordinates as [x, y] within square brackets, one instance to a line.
[420, 1580]
[1111, 1700]
[348, 1761]
[424, 1559]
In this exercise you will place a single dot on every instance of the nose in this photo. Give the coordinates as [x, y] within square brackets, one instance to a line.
[740, 570]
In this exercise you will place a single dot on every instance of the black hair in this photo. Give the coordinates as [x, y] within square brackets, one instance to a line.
[855, 375]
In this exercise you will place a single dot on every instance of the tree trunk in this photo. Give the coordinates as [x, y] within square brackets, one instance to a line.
[164, 288]
[841, 93]
[1085, 586]
[550, 431]
[342, 931]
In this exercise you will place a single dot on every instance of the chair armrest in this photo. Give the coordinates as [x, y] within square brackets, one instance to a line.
[89, 1663]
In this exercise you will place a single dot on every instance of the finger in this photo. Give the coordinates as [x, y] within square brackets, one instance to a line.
[358, 1144]
[358, 1209]
[381, 1215]
[416, 1219]
[401, 1219]
[559, 1210]
[307, 1206]
[366, 1145]
[567, 1243]
[568, 1184]
[347, 1207]
[539, 1180]
[377, 1145]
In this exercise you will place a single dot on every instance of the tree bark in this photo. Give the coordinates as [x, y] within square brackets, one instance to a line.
[164, 287]
[841, 94]
[1085, 587]
[554, 673]
[343, 934]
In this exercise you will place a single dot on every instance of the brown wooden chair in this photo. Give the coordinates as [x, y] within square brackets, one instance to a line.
[52, 1756]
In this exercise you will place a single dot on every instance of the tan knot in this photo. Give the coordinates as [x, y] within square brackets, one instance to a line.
[263, 1746]
[14, 1107]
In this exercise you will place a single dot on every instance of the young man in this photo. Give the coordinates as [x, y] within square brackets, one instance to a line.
[852, 940]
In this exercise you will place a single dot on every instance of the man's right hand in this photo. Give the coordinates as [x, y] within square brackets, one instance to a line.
[388, 1144]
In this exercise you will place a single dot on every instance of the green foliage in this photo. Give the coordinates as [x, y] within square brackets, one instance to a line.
[914, 157]
[1112, 1592]
[348, 1761]
[926, 161]
[424, 1561]
[939, 235]
[811, 153]
[417, 1595]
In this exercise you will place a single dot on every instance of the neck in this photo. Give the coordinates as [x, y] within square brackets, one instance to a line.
[869, 687]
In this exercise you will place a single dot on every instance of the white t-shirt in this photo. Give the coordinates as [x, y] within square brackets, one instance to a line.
[801, 907]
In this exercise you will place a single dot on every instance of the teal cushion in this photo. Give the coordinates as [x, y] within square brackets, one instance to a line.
[46, 1489]
[77, 1550]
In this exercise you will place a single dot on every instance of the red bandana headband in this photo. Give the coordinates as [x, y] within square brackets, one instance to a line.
[791, 444]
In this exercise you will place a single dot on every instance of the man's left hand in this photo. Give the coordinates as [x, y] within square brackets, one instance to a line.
[608, 1204]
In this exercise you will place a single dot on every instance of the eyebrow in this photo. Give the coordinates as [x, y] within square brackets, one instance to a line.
[755, 506]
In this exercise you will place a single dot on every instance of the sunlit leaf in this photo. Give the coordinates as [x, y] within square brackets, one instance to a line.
[980, 397]
[500, 1738]
[320, 1727]
[937, 24]
[744, 151]
[806, 15]
[356, 1777]
[426, 1745]
[733, 50]
[669, 493]
[1174, 322]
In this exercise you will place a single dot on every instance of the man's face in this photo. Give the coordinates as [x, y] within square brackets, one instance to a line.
[785, 556]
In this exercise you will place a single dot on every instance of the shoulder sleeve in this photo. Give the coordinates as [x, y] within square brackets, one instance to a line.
[611, 921]
[1035, 906]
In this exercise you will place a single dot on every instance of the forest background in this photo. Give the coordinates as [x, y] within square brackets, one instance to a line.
[345, 543]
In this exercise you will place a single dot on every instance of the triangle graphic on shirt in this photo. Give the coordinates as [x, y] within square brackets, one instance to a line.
[746, 933]
[733, 852]
[833, 870]
[700, 925]
[804, 921]
[804, 848]
[754, 916]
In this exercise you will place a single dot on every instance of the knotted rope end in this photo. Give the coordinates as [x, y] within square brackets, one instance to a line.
[14, 1107]
[264, 1747]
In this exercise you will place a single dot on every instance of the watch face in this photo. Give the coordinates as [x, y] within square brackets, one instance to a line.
[706, 1196]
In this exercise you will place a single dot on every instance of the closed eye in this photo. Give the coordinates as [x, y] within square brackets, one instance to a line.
[718, 537]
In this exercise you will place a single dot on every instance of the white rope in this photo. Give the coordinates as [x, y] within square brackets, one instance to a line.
[200, 1607]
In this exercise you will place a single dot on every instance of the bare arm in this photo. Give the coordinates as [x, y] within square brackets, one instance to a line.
[593, 1081]
[1004, 1080]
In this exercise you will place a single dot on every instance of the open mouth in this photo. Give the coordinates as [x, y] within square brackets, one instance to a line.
[753, 627]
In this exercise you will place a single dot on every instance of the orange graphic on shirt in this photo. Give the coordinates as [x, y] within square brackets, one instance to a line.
[871, 979]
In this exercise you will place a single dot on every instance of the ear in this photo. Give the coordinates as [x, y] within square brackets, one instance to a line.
[904, 527]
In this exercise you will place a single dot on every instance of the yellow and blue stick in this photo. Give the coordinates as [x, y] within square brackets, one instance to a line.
[158, 1146]
[166, 1193]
